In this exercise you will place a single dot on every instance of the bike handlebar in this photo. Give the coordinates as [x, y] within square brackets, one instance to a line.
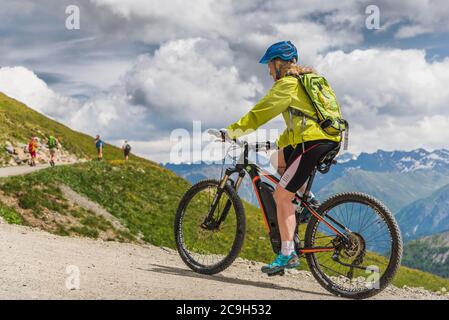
[256, 146]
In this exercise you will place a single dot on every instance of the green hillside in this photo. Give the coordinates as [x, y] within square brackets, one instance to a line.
[426, 216]
[429, 254]
[143, 196]
[19, 123]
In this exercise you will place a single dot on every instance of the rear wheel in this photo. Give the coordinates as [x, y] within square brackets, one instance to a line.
[373, 243]
[209, 248]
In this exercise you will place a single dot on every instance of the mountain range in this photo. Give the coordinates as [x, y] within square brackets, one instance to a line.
[413, 184]
[396, 177]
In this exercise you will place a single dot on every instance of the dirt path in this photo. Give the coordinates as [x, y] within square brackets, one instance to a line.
[34, 265]
[20, 170]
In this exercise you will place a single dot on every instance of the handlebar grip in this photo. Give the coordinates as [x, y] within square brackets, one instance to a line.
[214, 132]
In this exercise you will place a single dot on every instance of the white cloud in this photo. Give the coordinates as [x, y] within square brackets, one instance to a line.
[394, 99]
[249, 26]
[183, 81]
[22, 84]
[411, 31]
[110, 114]
[429, 133]
[206, 65]
[113, 116]
[190, 79]
[415, 17]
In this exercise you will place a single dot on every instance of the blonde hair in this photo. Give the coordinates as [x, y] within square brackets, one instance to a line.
[290, 68]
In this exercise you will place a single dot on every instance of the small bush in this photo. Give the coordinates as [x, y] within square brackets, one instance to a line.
[10, 215]
[85, 231]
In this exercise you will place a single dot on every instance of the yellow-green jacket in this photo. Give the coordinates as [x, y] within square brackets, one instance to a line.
[286, 92]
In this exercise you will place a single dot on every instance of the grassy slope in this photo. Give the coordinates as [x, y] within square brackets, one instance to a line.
[429, 254]
[144, 196]
[10, 215]
[19, 123]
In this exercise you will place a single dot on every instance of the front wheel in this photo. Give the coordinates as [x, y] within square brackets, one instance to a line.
[209, 246]
[367, 259]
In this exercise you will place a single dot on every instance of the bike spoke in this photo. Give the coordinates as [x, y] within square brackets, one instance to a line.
[371, 239]
[208, 247]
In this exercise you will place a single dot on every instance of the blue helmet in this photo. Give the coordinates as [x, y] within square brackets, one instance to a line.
[284, 50]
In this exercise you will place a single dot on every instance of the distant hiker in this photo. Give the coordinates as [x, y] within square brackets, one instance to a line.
[52, 144]
[126, 149]
[32, 149]
[99, 144]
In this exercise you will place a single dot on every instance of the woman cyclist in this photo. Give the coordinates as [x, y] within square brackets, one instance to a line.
[301, 145]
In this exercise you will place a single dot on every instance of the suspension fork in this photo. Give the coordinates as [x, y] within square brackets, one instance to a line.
[228, 202]
[209, 222]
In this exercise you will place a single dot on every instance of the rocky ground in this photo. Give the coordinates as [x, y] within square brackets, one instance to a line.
[38, 265]
[17, 154]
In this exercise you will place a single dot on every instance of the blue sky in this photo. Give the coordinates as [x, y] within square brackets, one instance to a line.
[139, 69]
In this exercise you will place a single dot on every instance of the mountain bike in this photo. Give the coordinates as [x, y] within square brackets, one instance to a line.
[352, 243]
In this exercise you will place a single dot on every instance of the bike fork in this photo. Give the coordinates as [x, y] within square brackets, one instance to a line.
[209, 222]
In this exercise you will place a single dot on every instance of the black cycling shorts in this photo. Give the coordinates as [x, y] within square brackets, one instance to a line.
[300, 165]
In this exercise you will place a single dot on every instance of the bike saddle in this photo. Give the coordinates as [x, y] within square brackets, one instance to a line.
[326, 161]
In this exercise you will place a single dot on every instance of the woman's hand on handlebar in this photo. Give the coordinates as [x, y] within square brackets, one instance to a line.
[225, 136]
[221, 135]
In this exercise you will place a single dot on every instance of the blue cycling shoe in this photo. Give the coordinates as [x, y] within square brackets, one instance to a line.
[281, 263]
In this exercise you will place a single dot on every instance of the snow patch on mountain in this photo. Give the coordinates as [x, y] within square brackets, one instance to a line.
[346, 157]
[422, 159]
[397, 161]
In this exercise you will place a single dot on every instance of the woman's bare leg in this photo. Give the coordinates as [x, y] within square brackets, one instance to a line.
[285, 213]
[285, 209]
[278, 162]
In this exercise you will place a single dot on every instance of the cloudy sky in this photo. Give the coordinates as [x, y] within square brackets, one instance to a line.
[138, 69]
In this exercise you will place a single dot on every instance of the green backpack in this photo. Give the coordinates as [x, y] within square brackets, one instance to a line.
[52, 142]
[326, 105]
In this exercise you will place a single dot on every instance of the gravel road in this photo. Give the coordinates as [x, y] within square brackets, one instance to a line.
[38, 265]
[20, 170]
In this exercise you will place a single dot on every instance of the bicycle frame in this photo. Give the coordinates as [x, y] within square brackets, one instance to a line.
[255, 172]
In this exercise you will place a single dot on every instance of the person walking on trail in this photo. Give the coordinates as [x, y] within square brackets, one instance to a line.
[301, 145]
[126, 149]
[52, 144]
[99, 144]
[32, 149]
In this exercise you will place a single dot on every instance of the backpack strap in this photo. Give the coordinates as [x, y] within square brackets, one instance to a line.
[346, 141]
[299, 113]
